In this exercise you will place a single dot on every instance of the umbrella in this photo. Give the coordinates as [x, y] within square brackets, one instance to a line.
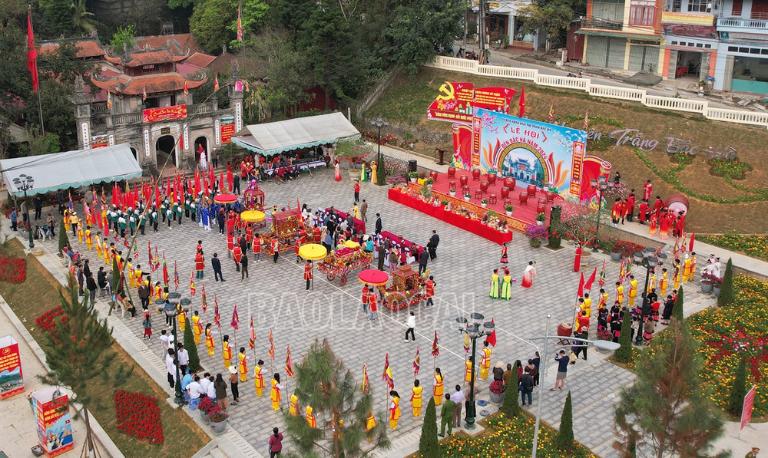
[312, 252]
[252, 216]
[373, 277]
[225, 198]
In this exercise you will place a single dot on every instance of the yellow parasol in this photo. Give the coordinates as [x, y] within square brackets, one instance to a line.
[312, 252]
[351, 244]
[252, 216]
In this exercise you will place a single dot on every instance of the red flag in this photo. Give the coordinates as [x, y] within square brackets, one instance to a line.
[235, 319]
[204, 301]
[186, 87]
[581, 286]
[288, 363]
[32, 53]
[435, 347]
[387, 374]
[491, 339]
[239, 24]
[690, 242]
[366, 383]
[216, 314]
[590, 280]
[175, 276]
[271, 350]
[601, 280]
[216, 83]
[197, 183]
[521, 103]
[416, 363]
[166, 280]
[252, 337]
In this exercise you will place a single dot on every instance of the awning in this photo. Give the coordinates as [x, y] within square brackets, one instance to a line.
[71, 169]
[619, 34]
[276, 137]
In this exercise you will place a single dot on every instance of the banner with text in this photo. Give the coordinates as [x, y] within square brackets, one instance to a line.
[227, 129]
[457, 101]
[11, 378]
[165, 113]
[54, 424]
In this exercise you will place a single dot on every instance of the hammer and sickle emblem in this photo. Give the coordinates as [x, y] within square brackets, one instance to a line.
[446, 92]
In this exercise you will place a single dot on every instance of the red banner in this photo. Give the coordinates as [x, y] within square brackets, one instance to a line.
[165, 113]
[456, 101]
[227, 131]
[11, 379]
[493, 98]
[746, 408]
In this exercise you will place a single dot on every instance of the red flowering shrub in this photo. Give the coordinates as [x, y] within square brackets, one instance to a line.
[13, 270]
[138, 415]
[47, 321]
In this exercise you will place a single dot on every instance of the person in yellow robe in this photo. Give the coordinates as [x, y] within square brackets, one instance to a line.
[485, 361]
[242, 364]
[181, 315]
[584, 307]
[226, 352]
[686, 269]
[293, 405]
[309, 415]
[258, 378]
[275, 394]
[132, 278]
[99, 249]
[88, 237]
[197, 327]
[210, 345]
[137, 273]
[394, 409]
[439, 388]
[651, 282]
[693, 266]
[603, 302]
[664, 282]
[370, 422]
[678, 275]
[619, 293]
[632, 290]
[468, 369]
[588, 304]
[416, 398]
[80, 234]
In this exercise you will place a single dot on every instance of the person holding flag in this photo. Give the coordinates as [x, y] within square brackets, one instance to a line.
[308, 273]
[226, 351]
[275, 395]
[209, 344]
[242, 364]
[197, 327]
[387, 374]
[258, 378]
[416, 398]
[485, 361]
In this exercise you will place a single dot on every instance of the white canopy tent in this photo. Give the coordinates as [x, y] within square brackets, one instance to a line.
[71, 169]
[276, 137]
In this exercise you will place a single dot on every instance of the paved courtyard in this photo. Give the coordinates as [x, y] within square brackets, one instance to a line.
[274, 296]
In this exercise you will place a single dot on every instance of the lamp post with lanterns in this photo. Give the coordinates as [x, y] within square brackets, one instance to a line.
[378, 123]
[601, 185]
[474, 329]
[24, 183]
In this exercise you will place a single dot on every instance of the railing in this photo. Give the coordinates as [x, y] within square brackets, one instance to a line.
[99, 108]
[744, 23]
[600, 23]
[126, 119]
[200, 108]
[605, 91]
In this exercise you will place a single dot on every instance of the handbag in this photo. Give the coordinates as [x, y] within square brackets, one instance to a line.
[572, 357]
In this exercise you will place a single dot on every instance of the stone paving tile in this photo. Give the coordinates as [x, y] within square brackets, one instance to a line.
[274, 296]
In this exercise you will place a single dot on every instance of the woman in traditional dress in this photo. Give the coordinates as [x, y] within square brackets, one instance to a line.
[506, 285]
[337, 171]
[504, 258]
[494, 284]
[438, 390]
[394, 409]
[528, 275]
[665, 222]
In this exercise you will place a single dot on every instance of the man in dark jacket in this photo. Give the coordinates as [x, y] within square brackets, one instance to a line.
[526, 386]
[101, 279]
[382, 252]
[144, 294]
[434, 240]
[216, 264]
[423, 258]
[378, 223]
[90, 284]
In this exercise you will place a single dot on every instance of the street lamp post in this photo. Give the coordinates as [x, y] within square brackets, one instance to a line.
[474, 331]
[170, 311]
[649, 262]
[600, 344]
[601, 184]
[24, 183]
[378, 123]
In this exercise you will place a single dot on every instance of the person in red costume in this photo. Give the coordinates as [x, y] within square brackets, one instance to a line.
[647, 190]
[629, 210]
[642, 212]
[577, 259]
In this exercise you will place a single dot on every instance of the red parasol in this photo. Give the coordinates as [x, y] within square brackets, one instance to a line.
[225, 198]
[373, 277]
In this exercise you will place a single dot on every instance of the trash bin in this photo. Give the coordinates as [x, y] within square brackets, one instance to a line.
[412, 165]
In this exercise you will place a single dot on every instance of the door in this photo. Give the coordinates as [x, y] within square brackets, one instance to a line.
[597, 51]
[616, 48]
[643, 58]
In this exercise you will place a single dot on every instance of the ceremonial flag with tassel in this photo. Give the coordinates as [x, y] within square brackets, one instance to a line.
[601, 280]
[175, 277]
[252, 336]
[239, 24]
[521, 103]
[435, 347]
[216, 314]
[590, 280]
[551, 114]
[690, 242]
[216, 83]
[387, 374]
[365, 386]
[288, 363]
[491, 339]
[32, 53]
[235, 324]
[416, 363]
[166, 279]
[271, 350]
[467, 343]
[204, 301]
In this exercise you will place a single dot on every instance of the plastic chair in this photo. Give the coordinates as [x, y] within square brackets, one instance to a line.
[523, 198]
[492, 198]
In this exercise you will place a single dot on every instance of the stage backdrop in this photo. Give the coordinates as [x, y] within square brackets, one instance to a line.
[533, 152]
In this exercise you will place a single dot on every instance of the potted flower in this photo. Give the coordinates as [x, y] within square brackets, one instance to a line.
[508, 208]
[206, 404]
[452, 190]
[484, 203]
[444, 202]
[413, 176]
[716, 283]
[467, 196]
[540, 219]
[706, 283]
[429, 182]
[536, 235]
[217, 419]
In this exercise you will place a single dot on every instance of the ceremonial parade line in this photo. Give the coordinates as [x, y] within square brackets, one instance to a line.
[428, 339]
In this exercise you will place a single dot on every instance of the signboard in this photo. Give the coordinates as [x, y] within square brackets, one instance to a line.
[54, 424]
[456, 102]
[99, 141]
[533, 152]
[746, 408]
[165, 113]
[227, 129]
[11, 378]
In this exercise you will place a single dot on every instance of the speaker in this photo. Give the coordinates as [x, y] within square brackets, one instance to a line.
[412, 165]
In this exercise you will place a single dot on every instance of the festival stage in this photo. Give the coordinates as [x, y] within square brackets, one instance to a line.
[481, 187]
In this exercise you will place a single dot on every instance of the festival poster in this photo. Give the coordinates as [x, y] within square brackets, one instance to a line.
[165, 113]
[11, 378]
[533, 152]
[453, 103]
[462, 146]
[227, 129]
[493, 98]
[54, 424]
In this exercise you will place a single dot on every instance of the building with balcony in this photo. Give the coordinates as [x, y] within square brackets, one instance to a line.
[151, 97]
[742, 60]
[504, 24]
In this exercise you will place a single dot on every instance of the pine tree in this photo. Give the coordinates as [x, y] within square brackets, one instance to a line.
[189, 345]
[509, 406]
[738, 390]
[63, 238]
[624, 353]
[727, 294]
[564, 438]
[341, 409]
[428, 446]
[677, 309]
[79, 354]
[666, 412]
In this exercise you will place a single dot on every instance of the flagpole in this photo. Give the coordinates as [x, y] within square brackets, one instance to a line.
[40, 111]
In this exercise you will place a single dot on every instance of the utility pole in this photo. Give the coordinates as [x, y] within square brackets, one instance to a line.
[481, 30]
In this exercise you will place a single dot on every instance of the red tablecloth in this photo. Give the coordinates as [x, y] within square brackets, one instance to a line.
[402, 242]
[359, 224]
[473, 226]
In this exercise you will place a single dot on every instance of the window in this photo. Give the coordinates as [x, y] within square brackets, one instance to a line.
[701, 6]
[642, 12]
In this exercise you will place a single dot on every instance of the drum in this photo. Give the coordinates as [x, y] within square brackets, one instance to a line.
[564, 330]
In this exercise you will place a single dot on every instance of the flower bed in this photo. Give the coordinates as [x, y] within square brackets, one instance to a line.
[751, 245]
[13, 270]
[138, 415]
[47, 321]
[505, 437]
